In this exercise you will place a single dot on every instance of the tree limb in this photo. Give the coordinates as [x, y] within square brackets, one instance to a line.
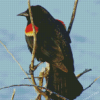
[85, 71]
[13, 95]
[51, 92]
[33, 52]
[15, 60]
[91, 83]
[73, 16]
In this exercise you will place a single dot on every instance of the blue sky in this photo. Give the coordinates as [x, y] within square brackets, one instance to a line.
[85, 36]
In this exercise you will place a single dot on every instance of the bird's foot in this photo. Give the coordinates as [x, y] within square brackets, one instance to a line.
[32, 69]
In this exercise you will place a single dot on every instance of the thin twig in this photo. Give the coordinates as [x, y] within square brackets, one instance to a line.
[33, 52]
[91, 83]
[51, 92]
[44, 73]
[35, 67]
[73, 16]
[13, 95]
[15, 60]
[38, 97]
[41, 74]
[85, 71]
[34, 77]
[34, 34]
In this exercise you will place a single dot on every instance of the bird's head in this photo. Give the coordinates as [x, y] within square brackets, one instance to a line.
[40, 15]
[41, 18]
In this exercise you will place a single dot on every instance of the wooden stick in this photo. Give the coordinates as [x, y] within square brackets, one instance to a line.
[15, 60]
[33, 53]
[51, 92]
[73, 16]
[92, 83]
[12, 98]
[86, 70]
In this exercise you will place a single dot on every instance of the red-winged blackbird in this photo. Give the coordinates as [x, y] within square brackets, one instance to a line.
[53, 46]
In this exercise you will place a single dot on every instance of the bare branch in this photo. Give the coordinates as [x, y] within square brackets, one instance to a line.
[44, 73]
[51, 92]
[34, 34]
[41, 74]
[35, 67]
[33, 52]
[73, 16]
[85, 71]
[38, 97]
[15, 60]
[13, 95]
[34, 77]
[92, 83]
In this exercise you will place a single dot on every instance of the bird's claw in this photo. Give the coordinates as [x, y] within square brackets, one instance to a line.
[30, 70]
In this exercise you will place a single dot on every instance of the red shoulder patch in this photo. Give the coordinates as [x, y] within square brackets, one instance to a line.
[29, 30]
[62, 23]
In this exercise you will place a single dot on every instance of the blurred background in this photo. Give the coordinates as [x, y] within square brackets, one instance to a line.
[85, 36]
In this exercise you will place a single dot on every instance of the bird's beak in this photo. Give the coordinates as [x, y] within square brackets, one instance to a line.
[23, 14]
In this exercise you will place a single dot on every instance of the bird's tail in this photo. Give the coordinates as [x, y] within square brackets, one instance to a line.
[65, 84]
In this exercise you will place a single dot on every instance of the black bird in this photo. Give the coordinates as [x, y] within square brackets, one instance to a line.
[53, 46]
